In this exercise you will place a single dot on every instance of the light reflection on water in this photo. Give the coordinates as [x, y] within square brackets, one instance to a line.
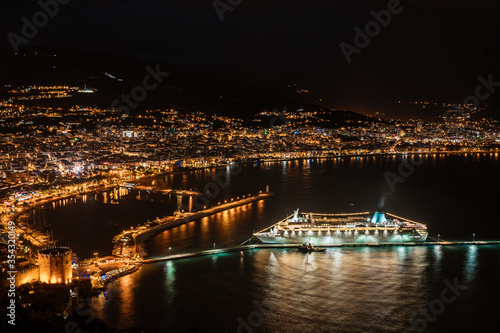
[471, 263]
[434, 194]
[438, 255]
[170, 283]
[342, 290]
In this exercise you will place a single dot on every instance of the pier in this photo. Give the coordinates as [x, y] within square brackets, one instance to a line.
[154, 189]
[289, 246]
[131, 242]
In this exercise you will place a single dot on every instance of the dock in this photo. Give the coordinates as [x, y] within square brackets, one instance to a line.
[138, 237]
[154, 189]
[287, 246]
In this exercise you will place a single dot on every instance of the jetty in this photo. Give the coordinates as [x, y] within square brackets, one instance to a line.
[286, 246]
[155, 189]
[130, 243]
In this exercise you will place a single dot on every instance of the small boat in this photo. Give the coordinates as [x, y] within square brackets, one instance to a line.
[306, 248]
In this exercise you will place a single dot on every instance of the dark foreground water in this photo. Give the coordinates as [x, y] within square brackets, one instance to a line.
[343, 290]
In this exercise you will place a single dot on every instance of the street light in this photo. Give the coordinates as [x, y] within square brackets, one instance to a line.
[169, 250]
[473, 237]
[214, 246]
[438, 237]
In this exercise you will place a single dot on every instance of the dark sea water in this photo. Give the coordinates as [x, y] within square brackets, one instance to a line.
[342, 290]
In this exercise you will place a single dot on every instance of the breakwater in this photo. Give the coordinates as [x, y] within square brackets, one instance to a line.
[140, 238]
[285, 246]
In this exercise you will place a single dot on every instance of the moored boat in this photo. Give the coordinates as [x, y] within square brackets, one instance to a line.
[306, 248]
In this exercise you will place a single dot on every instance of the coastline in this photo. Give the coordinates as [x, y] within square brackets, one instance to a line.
[259, 160]
[142, 242]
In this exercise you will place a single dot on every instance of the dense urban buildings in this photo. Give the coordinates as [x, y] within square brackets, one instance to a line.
[55, 152]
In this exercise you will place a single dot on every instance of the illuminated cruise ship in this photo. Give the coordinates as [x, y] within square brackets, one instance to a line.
[324, 229]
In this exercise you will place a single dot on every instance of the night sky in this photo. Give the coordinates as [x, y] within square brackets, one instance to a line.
[430, 49]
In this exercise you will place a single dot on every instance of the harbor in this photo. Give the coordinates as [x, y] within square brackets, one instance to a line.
[130, 245]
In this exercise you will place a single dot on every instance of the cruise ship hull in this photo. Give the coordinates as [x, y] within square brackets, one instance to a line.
[330, 229]
[334, 238]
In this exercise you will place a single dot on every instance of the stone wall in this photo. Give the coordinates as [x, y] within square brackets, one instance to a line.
[31, 274]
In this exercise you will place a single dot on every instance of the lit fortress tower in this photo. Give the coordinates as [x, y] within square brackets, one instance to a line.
[55, 265]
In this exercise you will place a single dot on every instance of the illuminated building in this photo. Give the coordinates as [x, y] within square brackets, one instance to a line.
[55, 265]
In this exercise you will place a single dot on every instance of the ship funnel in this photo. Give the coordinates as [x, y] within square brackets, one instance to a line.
[378, 217]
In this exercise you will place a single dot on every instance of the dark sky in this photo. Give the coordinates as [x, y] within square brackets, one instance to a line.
[430, 50]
